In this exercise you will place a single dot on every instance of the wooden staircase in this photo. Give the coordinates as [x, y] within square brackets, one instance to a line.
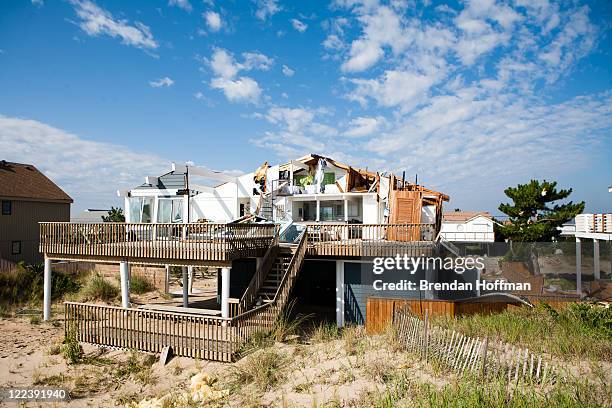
[270, 285]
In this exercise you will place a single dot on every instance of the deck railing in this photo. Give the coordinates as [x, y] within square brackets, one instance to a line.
[194, 241]
[204, 337]
[601, 223]
[197, 336]
[259, 277]
[366, 239]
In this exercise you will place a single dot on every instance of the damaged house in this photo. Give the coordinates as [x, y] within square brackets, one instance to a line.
[307, 229]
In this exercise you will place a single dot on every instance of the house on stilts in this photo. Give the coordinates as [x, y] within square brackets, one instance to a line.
[309, 228]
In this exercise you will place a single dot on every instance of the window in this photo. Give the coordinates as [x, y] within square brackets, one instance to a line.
[170, 210]
[140, 209]
[16, 247]
[7, 207]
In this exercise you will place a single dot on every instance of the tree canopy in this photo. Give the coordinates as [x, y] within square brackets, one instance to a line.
[114, 215]
[533, 214]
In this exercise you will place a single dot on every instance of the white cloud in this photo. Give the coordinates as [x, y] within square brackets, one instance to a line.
[333, 42]
[226, 70]
[213, 21]
[393, 88]
[364, 126]
[288, 72]
[199, 95]
[242, 89]
[298, 131]
[76, 164]
[256, 60]
[96, 21]
[299, 25]
[382, 27]
[162, 82]
[223, 64]
[184, 4]
[38, 3]
[266, 9]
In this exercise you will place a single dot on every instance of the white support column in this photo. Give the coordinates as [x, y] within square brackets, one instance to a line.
[578, 268]
[225, 291]
[596, 266]
[340, 293]
[190, 277]
[124, 274]
[318, 210]
[345, 210]
[185, 287]
[47, 290]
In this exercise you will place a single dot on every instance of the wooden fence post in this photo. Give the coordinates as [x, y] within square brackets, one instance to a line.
[484, 357]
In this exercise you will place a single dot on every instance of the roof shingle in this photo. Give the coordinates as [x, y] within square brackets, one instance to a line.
[24, 181]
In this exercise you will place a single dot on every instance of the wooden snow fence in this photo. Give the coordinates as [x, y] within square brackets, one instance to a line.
[462, 354]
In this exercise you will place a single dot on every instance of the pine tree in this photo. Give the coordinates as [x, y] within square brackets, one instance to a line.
[534, 216]
[114, 215]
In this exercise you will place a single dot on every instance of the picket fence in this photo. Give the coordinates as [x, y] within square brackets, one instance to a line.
[463, 354]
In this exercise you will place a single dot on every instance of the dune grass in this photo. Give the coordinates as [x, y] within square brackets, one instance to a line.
[24, 285]
[140, 285]
[574, 332]
[403, 390]
[98, 288]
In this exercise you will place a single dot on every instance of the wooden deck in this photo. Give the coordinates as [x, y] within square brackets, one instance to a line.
[180, 244]
[370, 240]
[219, 244]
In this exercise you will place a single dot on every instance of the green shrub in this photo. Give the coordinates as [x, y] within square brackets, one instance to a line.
[98, 288]
[71, 349]
[140, 285]
[25, 284]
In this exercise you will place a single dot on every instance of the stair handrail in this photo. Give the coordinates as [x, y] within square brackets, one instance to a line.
[260, 275]
[293, 268]
[265, 315]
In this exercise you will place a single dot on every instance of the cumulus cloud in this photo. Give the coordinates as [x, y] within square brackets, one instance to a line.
[75, 163]
[382, 27]
[393, 88]
[364, 126]
[266, 9]
[298, 131]
[242, 89]
[226, 70]
[288, 72]
[299, 25]
[162, 82]
[96, 21]
[213, 21]
[184, 4]
[457, 95]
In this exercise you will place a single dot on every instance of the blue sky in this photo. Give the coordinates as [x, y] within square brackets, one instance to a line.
[471, 96]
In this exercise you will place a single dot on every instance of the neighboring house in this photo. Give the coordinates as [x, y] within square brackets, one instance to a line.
[27, 197]
[464, 226]
[589, 227]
